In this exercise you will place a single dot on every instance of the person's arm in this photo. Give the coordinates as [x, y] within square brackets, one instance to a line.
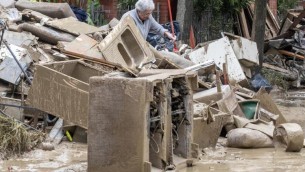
[156, 27]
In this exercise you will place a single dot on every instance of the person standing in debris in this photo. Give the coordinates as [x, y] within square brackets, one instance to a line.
[145, 21]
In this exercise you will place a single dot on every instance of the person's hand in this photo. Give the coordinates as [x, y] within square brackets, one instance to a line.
[170, 36]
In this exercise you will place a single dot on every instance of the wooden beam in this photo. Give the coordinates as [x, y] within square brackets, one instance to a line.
[298, 20]
[290, 54]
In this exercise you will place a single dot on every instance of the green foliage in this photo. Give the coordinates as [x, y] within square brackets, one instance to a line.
[284, 5]
[127, 2]
[200, 6]
[223, 6]
[275, 78]
[236, 5]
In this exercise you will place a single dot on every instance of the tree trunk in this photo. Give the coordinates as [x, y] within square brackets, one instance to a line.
[184, 17]
[259, 24]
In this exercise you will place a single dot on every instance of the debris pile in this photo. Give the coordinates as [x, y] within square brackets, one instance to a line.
[284, 52]
[142, 108]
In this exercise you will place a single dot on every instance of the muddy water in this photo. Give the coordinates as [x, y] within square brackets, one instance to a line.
[66, 157]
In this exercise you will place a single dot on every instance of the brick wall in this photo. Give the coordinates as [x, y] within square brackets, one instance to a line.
[273, 7]
[164, 15]
[111, 9]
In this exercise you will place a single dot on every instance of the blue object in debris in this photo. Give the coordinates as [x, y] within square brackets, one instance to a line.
[161, 43]
[259, 81]
[80, 14]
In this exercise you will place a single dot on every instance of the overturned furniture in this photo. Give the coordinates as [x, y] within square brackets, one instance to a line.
[61, 89]
[160, 99]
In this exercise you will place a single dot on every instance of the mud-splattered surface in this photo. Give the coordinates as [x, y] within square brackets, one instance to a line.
[66, 157]
[72, 157]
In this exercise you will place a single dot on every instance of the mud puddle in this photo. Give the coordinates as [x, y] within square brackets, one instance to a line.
[254, 160]
[66, 157]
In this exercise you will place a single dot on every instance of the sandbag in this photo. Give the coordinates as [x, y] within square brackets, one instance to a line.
[248, 138]
[54, 10]
[290, 136]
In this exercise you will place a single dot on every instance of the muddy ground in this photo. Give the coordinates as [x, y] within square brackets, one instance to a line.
[72, 157]
[67, 157]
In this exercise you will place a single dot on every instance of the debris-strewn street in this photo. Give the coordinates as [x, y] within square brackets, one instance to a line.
[85, 86]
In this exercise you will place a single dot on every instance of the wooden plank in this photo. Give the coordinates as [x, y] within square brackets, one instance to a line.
[266, 65]
[275, 22]
[286, 26]
[272, 23]
[238, 27]
[272, 32]
[244, 25]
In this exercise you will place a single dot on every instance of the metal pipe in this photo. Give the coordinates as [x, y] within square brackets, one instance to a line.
[26, 76]
[17, 106]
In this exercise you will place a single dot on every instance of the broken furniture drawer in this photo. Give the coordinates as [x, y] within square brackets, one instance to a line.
[206, 134]
[61, 89]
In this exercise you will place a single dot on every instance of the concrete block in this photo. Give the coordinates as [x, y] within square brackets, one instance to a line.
[61, 89]
[118, 123]
[125, 46]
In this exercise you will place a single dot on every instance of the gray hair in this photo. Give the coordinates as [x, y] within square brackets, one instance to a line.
[143, 5]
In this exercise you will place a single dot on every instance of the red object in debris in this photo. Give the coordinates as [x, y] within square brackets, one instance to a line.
[192, 38]
[171, 21]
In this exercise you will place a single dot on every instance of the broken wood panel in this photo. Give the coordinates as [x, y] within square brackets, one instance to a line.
[206, 134]
[84, 47]
[297, 20]
[267, 103]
